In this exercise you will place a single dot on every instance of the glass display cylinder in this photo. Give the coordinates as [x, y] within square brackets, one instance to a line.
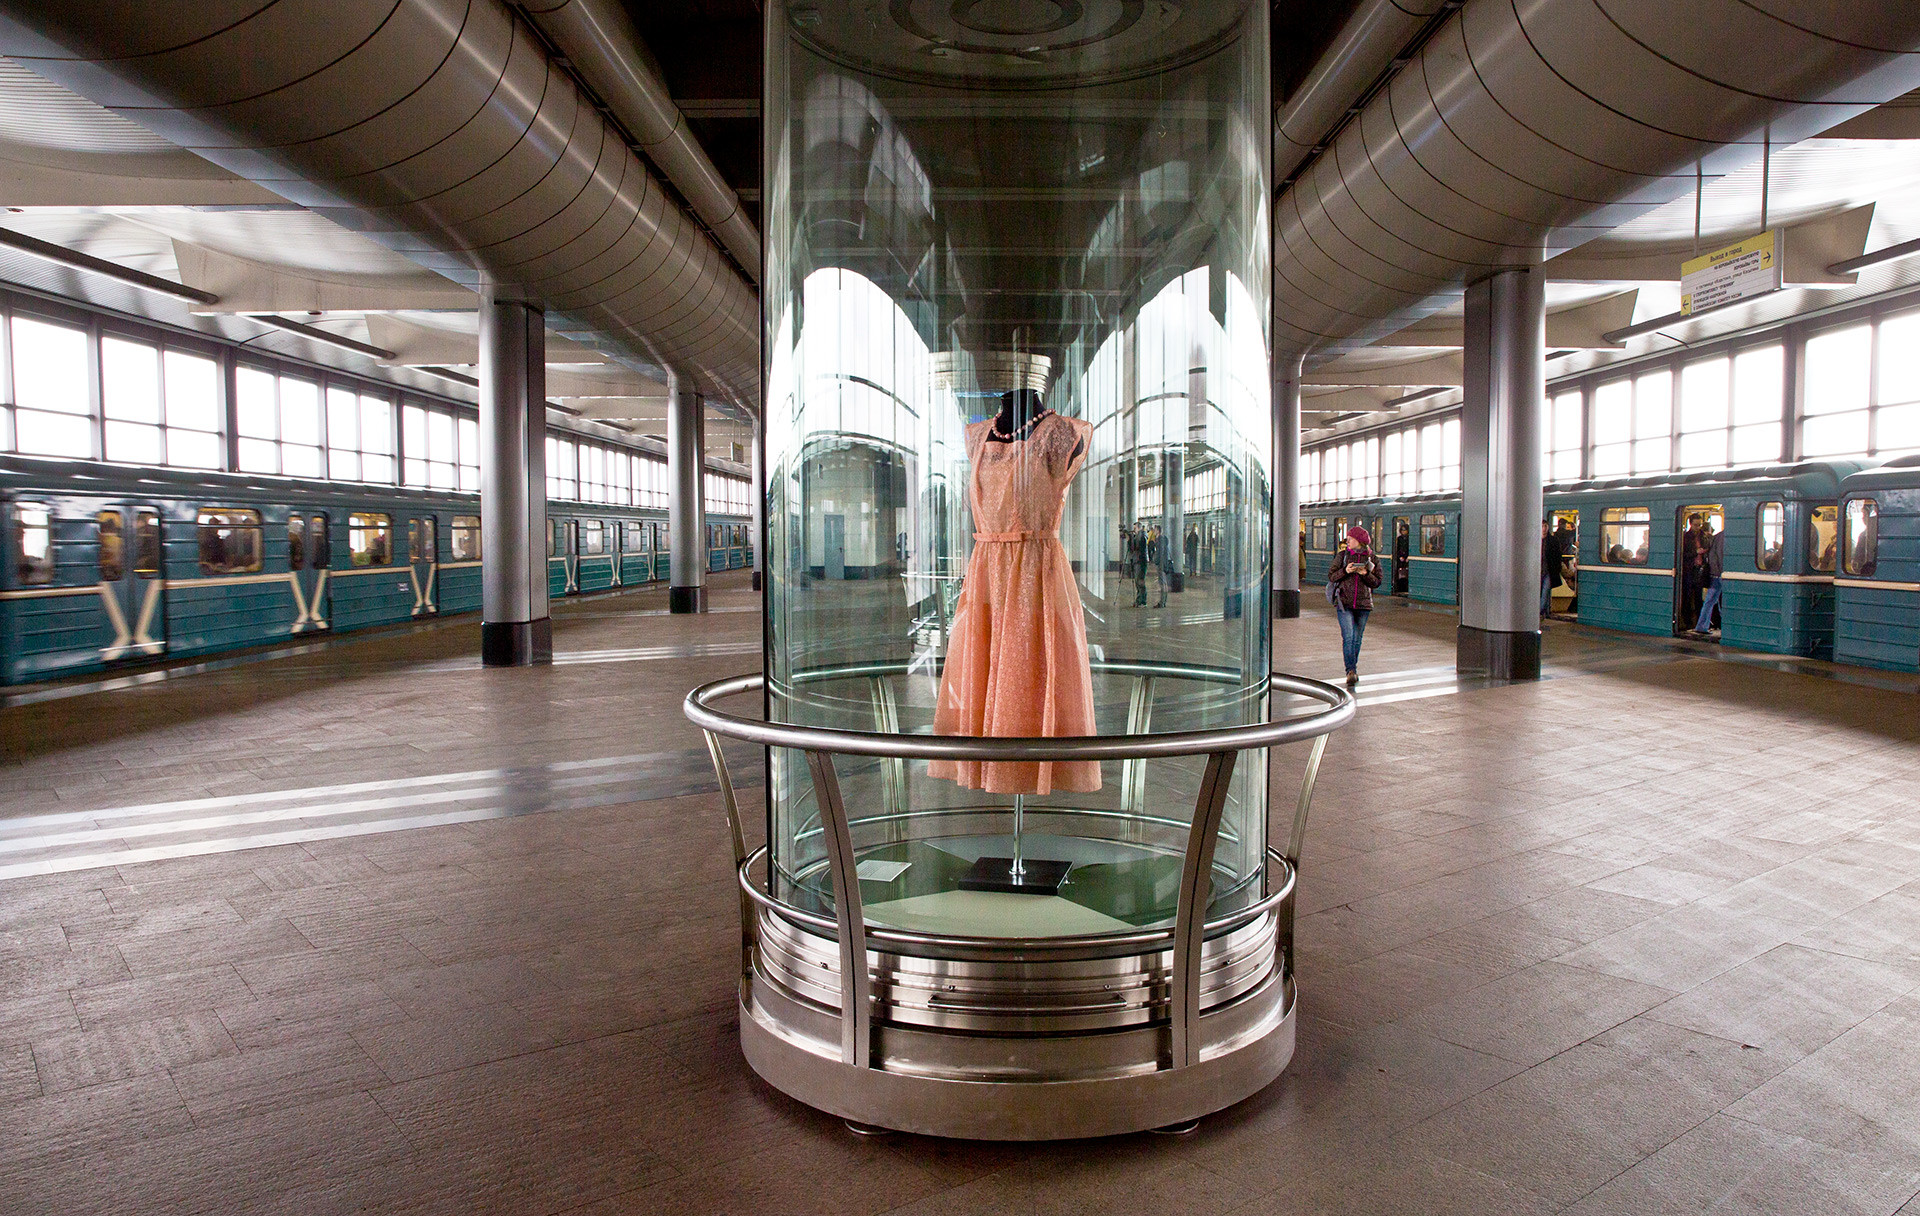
[1047, 220]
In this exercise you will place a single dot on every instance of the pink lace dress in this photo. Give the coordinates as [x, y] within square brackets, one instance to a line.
[1017, 657]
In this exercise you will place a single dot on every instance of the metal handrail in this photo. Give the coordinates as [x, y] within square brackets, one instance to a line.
[1222, 747]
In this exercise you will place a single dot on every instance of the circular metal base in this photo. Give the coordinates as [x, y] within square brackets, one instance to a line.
[1024, 1110]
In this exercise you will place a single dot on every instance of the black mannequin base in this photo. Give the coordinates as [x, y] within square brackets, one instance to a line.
[1286, 604]
[686, 599]
[516, 643]
[1499, 656]
[1035, 877]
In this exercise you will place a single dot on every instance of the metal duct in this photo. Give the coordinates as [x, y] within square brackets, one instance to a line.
[598, 37]
[440, 128]
[1362, 51]
[1526, 127]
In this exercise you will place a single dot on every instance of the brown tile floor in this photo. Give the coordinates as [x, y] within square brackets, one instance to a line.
[1642, 937]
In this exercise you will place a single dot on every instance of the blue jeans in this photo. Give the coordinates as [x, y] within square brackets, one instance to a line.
[1353, 627]
[1546, 594]
[1709, 600]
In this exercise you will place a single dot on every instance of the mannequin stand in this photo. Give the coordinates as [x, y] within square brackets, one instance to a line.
[1016, 875]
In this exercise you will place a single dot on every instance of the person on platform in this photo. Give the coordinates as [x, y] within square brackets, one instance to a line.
[1549, 566]
[1713, 572]
[1157, 559]
[1351, 578]
[1693, 565]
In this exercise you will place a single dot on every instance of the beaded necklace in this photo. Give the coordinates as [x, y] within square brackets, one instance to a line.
[1022, 431]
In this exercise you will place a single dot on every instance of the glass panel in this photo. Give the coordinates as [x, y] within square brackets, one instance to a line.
[1653, 455]
[1611, 460]
[1770, 536]
[296, 543]
[193, 392]
[256, 404]
[193, 450]
[149, 554]
[376, 425]
[42, 434]
[1704, 395]
[132, 443]
[343, 420]
[1823, 537]
[1433, 535]
[466, 538]
[440, 444]
[1835, 435]
[370, 538]
[1836, 371]
[1755, 444]
[1899, 359]
[129, 380]
[113, 546]
[1613, 412]
[1861, 554]
[1897, 428]
[1624, 535]
[298, 461]
[1703, 451]
[1759, 385]
[299, 411]
[1653, 406]
[259, 456]
[230, 541]
[917, 297]
[32, 543]
[50, 367]
[319, 542]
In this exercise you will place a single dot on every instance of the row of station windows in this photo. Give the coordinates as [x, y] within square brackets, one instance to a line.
[232, 540]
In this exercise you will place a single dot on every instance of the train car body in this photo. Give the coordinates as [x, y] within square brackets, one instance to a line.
[1877, 588]
[112, 565]
[1781, 525]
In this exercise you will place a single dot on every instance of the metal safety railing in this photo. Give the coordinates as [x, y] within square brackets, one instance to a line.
[1221, 746]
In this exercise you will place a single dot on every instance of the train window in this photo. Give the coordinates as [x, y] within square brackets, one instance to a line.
[1823, 537]
[1569, 523]
[1625, 533]
[229, 540]
[296, 543]
[423, 540]
[1861, 555]
[370, 538]
[593, 536]
[636, 538]
[148, 555]
[553, 538]
[33, 543]
[1320, 535]
[1433, 535]
[1770, 536]
[319, 548]
[113, 546]
[466, 538]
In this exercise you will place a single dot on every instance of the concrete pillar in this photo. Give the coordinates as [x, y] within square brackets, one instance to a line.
[759, 491]
[1286, 484]
[1505, 391]
[515, 628]
[686, 497]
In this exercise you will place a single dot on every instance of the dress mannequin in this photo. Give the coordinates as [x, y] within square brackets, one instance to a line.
[1017, 664]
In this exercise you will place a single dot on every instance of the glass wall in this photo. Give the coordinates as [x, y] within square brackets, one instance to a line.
[1069, 222]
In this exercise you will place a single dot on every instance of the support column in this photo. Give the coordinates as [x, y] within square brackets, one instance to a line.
[759, 491]
[1173, 511]
[515, 628]
[1286, 483]
[1505, 395]
[686, 497]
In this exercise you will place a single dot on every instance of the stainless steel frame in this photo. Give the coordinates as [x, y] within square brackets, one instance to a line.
[1021, 1038]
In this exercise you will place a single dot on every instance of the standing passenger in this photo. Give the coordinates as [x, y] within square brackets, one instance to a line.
[1714, 569]
[1549, 566]
[1693, 565]
[1353, 575]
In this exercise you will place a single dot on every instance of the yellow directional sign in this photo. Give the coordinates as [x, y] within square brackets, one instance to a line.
[1726, 276]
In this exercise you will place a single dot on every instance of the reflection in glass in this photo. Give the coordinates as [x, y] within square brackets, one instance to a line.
[955, 214]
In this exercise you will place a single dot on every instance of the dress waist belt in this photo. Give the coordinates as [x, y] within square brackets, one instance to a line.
[1007, 538]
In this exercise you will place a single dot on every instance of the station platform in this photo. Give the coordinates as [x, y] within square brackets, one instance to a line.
[363, 926]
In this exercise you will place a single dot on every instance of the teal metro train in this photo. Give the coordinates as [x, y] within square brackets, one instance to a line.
[111, 565]
[1822, 558]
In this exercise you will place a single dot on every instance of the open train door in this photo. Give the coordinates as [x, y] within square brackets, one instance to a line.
[1688, 587]
[133, 582]
[423, 561]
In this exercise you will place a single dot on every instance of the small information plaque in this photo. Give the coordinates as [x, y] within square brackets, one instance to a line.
[1727, 276]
